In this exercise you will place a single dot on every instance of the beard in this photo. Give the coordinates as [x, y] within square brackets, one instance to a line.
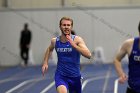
[63, 32]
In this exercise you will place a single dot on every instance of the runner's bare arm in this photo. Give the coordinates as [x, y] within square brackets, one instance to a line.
[47, 56]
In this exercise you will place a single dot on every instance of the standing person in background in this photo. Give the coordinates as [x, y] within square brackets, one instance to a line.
[68, 48]
[130, 47]
[25, 41]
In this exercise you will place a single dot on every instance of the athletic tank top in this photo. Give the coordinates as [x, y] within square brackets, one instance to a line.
[68, 59]
[134, 66]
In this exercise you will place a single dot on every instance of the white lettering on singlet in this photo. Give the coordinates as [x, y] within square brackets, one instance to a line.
[64, 49]
[137, 58]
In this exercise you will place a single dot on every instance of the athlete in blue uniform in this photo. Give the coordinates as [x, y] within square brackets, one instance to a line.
[68, 48]
[131, 47]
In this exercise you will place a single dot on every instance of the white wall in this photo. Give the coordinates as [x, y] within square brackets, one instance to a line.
[24, 4]
[19, 4]
[107, 28]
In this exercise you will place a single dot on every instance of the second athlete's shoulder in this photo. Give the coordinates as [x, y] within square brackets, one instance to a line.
[128, 43]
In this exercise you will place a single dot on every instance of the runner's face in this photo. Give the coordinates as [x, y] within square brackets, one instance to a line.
[66, 27]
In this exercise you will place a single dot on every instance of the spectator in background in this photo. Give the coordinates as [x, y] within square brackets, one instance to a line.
[25, 41]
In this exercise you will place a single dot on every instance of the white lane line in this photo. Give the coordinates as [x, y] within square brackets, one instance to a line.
[21, 84]
[106, 80]
[15, 79]
[48, 87]
[16, 87]
[91, 79]
[116, 86]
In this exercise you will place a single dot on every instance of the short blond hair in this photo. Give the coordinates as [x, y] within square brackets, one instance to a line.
[66, 18]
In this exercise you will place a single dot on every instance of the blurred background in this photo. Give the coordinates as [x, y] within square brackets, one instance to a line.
[103, 24]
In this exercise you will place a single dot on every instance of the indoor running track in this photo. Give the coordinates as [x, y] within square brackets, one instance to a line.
[96, 79]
